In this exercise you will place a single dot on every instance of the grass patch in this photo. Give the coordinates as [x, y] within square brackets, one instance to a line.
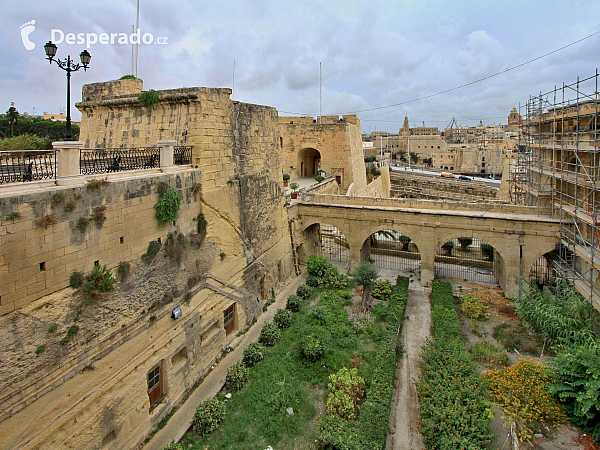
[514, 336]
[486, 353]
[256, 415]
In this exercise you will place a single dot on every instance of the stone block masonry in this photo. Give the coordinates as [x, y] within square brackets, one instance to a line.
[55, 235]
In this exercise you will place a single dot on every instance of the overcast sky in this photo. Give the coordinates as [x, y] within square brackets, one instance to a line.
[373, 53]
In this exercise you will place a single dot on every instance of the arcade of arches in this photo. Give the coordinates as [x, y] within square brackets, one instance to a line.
[494, 248]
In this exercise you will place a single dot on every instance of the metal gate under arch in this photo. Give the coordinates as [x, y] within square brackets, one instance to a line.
[390, 249]
[467, 259]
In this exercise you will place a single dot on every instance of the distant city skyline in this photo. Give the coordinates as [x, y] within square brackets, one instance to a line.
[373, 54]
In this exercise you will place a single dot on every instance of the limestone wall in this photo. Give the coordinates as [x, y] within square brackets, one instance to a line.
[338, 143]
[42, 247]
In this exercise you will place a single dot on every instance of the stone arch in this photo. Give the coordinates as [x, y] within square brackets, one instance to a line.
[485, 237]
[324, 238]
[339, 224]
[413, 234]
[471, 263]
[385, 246]
[308, 161]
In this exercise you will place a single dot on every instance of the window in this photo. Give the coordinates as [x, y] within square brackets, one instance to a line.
[43, 266]
[228, 319]
[97, 262]
[155, 392]
[121, 239]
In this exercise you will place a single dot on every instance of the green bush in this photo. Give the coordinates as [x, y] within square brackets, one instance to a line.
[100, 280]
[576, 382]
[319, 178]
[320, 313]
[123, 270]
[148, 99]
[208, 416]
[76, 279]
[317, 265]
[253, 354]
[153, 249]
[201, 223]
[237, 377]
[312, 348]
[382, 290]
[172, 446]
[283, 318]
[487, 353]
[25, 142]
[167, 207]
[473, 308]
[312, 281]
[294, 303]
[448, 247]
[304, 291]
[269, 335]
[465, 242]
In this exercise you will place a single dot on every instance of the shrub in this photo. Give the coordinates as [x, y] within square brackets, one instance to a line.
[286, 177]
[382, 290]
[25, 142]
[312, 281]
[208, 416]
[317, 265]
[294, 186]
[283, 318]
[175, 246]
[473, 308]
[346, 392]
[319, 178]
[576, 382]
[320, 313]
[123, 270]
[98, 215]
[253, 354]
[201, 223]
[521, 391]
[47, 220]
[304, 291]
[237, 377]
[148, 99]
[294, 303]
[484, 352]
[82, 223]
[100, 280]
[167, 207]
[40, 349]
[76, 279]
[312, 348]
[269, 335]
[151, 252]
[172, 446]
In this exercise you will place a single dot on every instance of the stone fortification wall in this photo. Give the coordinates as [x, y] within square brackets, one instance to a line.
[334, 144]
[47, 242]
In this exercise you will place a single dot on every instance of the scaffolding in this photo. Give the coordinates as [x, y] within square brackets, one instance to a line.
[557, 167]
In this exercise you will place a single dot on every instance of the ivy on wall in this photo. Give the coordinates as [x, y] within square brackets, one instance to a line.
[167, 207]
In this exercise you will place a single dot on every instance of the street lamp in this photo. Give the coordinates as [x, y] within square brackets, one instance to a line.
[68, 65]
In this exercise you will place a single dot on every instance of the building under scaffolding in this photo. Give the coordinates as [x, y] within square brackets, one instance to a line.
[557, 169]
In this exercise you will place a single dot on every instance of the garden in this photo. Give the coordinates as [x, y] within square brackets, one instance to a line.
[321, 374]
[528, 368]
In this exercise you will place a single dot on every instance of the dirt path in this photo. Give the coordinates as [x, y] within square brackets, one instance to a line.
[404, 434]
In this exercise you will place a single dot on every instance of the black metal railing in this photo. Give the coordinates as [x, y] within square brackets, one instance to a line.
[182, 155]
[27, 165]
[106, 160]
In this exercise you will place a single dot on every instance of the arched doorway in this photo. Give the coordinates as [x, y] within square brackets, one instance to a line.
[543, 271]
[309, 161]
[330, 242]
[392, 250]
[467, 258]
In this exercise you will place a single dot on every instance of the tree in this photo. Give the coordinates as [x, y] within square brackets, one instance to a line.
[12, 115]
[403, 157]
[414, 158]
[428, 162]
[365, 275]
[465, 242]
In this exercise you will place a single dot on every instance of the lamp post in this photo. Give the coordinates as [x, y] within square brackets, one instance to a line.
[68, 65]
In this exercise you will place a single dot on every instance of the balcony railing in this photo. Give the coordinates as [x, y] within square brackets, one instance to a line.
[106, 160]
[27, 165]
[35, 165]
